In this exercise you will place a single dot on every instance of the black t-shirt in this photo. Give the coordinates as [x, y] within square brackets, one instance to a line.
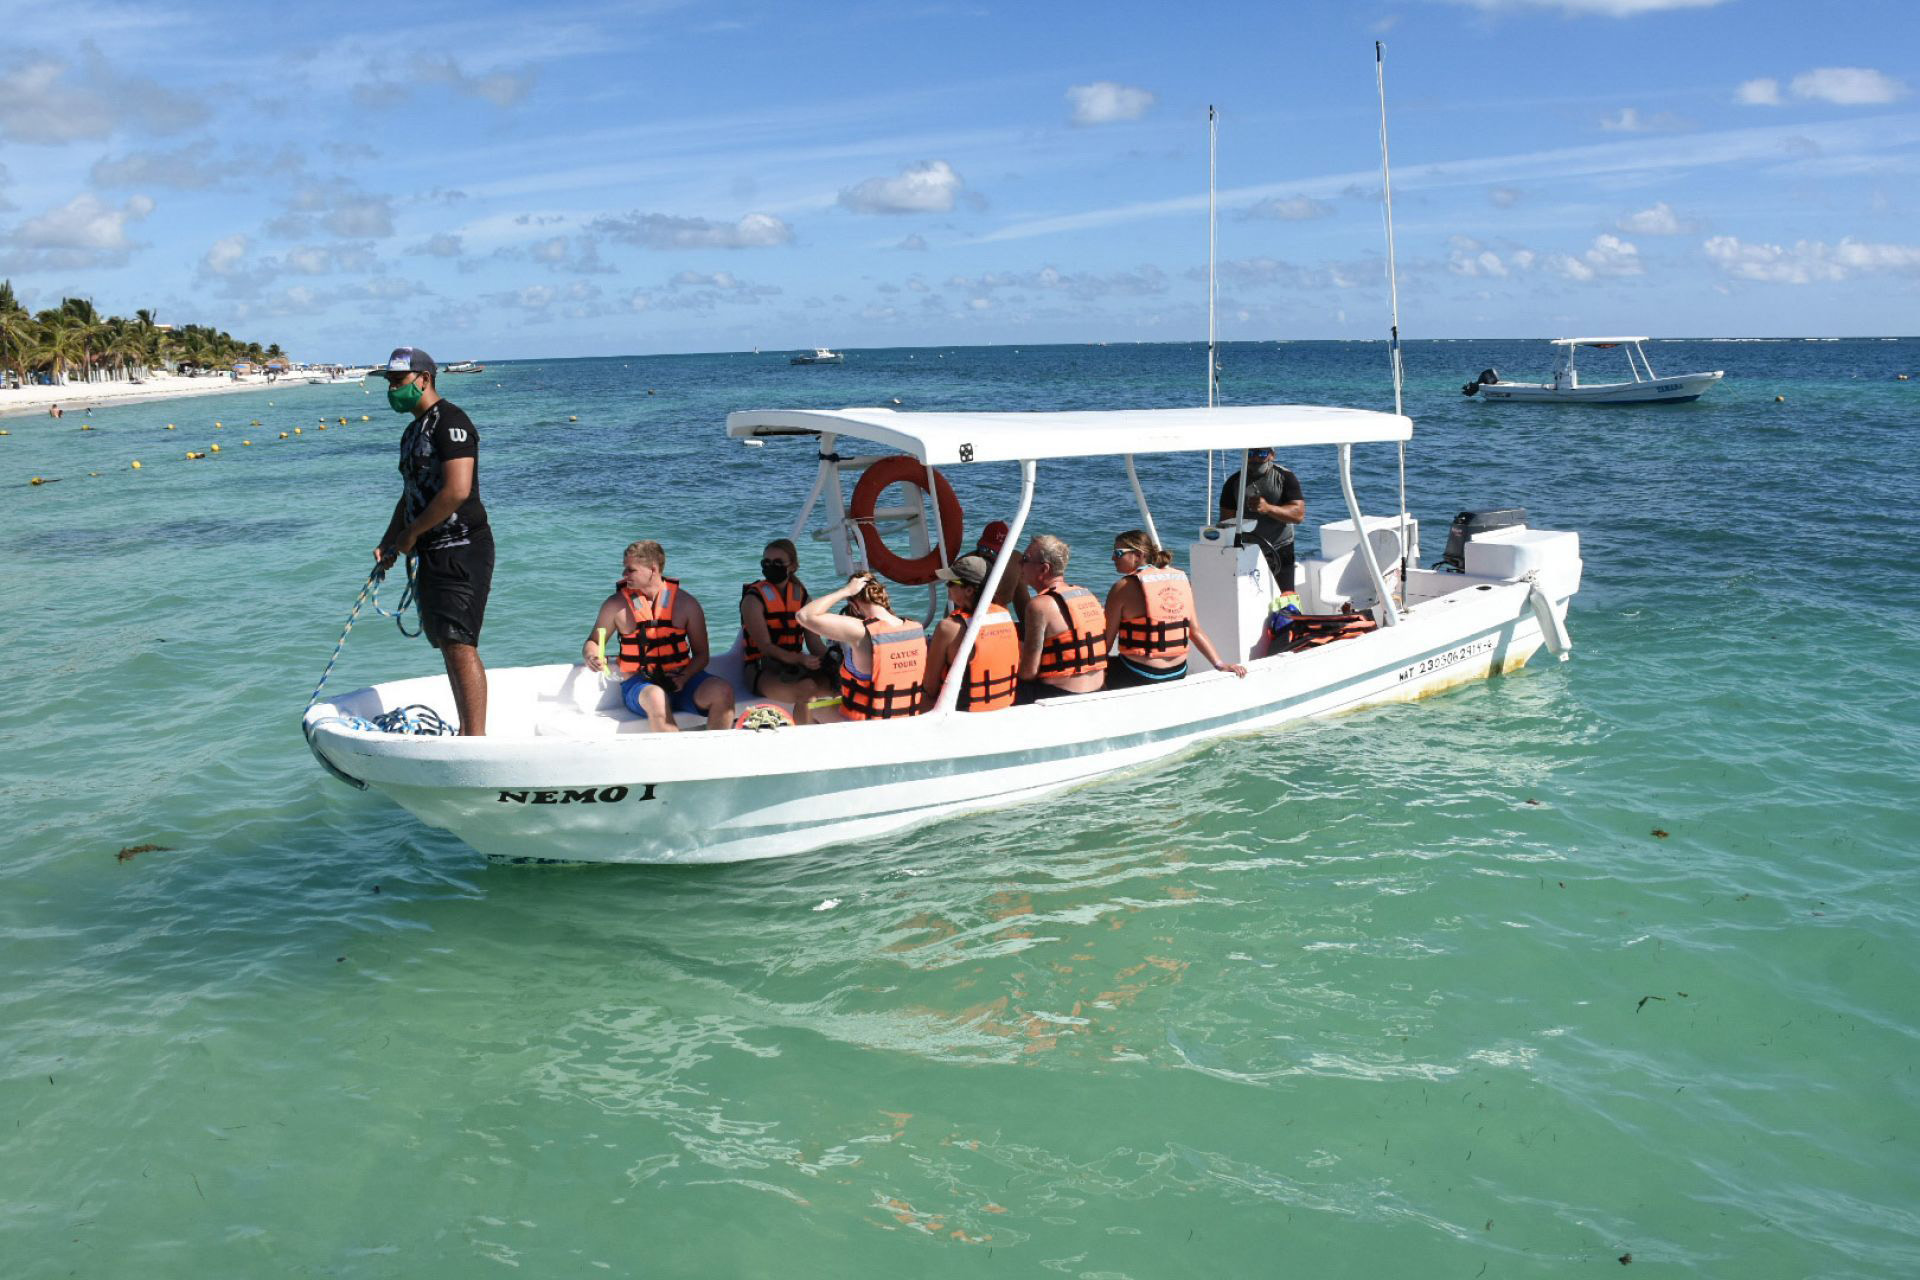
[1275, 484]
[442, 432]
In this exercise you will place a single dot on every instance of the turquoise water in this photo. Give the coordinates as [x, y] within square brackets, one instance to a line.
[1608, 958]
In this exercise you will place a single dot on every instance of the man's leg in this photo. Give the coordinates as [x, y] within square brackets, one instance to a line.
[715, 697]
[469, 680]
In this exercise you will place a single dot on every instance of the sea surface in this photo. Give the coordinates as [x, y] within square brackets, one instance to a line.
[1608, 962]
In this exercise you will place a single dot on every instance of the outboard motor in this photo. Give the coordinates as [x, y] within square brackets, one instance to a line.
[1468, 523]
[1486, 379]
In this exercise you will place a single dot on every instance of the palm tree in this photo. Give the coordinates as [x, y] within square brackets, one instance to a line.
[18, 335]
[60, 345]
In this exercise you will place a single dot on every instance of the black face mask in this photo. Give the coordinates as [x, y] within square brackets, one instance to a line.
[774, 571]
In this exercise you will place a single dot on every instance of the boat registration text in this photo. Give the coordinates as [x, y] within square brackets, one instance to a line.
[1448, 659]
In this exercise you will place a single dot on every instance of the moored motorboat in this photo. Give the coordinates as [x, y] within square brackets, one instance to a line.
[1565, 385]
[821, 355]
[567, 774]
[463, 366]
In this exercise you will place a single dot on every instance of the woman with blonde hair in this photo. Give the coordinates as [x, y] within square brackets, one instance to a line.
[883, 657]
[1151, 620]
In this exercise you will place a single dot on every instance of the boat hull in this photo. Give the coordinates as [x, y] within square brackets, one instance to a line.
[1675, 390]
[710, 798]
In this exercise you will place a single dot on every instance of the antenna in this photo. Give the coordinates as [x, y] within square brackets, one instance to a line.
[1393, 295]
[1213, 372]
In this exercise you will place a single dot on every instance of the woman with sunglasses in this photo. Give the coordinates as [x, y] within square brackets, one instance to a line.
[1151, 619]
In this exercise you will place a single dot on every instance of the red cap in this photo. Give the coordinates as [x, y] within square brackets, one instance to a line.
[993, 536]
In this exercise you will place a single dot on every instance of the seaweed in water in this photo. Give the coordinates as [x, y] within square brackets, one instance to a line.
[133, 851]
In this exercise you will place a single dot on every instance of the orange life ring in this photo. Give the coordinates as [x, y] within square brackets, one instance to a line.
[866, 494]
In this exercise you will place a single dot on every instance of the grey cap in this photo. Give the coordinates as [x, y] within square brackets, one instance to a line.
[968, 571]
[410, 360]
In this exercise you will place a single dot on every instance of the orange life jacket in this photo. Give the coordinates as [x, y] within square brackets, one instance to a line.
[782, 604]
[1080, 650]
[898, 680]
[654, 644]
[1163, 633]
[993, 668]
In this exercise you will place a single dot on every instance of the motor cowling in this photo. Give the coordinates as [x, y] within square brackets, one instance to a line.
[1486, 379]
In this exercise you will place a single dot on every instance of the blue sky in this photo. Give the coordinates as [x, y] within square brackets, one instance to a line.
[498, 180]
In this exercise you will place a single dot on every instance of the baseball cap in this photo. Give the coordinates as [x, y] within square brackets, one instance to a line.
[410, 360]
[968, 571]
[993, 537]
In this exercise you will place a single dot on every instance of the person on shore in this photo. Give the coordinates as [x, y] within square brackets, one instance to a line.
[659, 637]
[993, 668]
[55, 411]
[439, 518]
[883, 657]
[1150, 618]
[1275, 504]
[1064, 650]
[783, 662]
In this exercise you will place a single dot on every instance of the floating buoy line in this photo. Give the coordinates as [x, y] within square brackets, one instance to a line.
[192, 455]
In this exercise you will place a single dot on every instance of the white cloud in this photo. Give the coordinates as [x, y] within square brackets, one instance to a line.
[664, 231]
[360, 217]
[46, 99]
[1105, 102]
[1290, 209]
[1609, 257]
[1592, 8]
[501, 88]
[226, 255]
[913, 244]
[931, 187]
[1629, 120]
[1848, 86]
[1660, 220]
[440, 245]
[188, 168]
[1808, 261]
[84, 232]
[1764, 92]
[1503, 197]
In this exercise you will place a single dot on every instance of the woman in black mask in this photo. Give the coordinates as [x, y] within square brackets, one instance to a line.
[783, 662]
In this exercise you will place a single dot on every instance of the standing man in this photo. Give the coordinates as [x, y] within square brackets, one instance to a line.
[1275, 504]
[440, 518]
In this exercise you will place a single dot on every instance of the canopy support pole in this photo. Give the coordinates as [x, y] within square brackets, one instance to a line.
[957, 666]
[1140, 497]
[1390, 612]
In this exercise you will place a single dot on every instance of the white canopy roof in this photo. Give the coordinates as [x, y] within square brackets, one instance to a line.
[1594, 342]
[944, 438]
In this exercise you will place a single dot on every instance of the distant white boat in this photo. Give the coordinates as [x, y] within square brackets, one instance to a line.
[1647, 387]
[820, 356]
[463, 366]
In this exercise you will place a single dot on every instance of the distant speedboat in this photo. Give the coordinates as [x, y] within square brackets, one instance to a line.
[1566, 385]
[463, 366]
[820, 356]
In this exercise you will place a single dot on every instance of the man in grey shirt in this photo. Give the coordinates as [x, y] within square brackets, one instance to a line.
[1275, 504]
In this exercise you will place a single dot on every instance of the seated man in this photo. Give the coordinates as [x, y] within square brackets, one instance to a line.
[783, 662]
[1011, 595]
[661, 633]
[1065, 639]
[993, 668]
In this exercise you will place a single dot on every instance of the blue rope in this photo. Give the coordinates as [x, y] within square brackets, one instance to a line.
[370, 594]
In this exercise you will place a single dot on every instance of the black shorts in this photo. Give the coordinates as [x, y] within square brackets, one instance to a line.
[1280, 560]
[1032, 691]
[1122, 674]
[450, 586]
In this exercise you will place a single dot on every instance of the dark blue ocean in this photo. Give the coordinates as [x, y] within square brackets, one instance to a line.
[1610, 960]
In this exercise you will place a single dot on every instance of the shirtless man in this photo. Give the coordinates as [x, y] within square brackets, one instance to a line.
[661, 637]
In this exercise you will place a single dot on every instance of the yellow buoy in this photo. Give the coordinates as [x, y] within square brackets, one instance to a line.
[216, 426]
[296, 431]
[215, 448]
[246, 442]
[37, 480]
[93, 473]
[321, 427]
[5, 433]
[283, 435]
[365, 418]
[136, 464]
[86, 426]
[343, 422]
[573, 417]
[1779, 399]
[191, 455]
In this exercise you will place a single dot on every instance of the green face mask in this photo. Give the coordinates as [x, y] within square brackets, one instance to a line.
[404, 399]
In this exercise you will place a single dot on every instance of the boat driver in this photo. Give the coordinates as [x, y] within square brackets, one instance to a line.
[658, 634]
[1275, 504]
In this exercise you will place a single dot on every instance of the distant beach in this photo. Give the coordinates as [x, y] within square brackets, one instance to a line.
[78, 397]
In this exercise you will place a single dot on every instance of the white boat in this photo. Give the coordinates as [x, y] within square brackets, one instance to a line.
[566, 774]
[1647, 387]
[820, 356]
[464, 366]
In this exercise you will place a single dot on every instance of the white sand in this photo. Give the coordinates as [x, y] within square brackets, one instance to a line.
[75, 398]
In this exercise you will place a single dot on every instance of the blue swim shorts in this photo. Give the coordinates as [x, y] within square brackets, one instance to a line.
[681, 701]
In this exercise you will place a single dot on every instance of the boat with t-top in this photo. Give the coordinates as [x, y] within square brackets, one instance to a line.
[821, 355]
[566, 773]
[1565, 387]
